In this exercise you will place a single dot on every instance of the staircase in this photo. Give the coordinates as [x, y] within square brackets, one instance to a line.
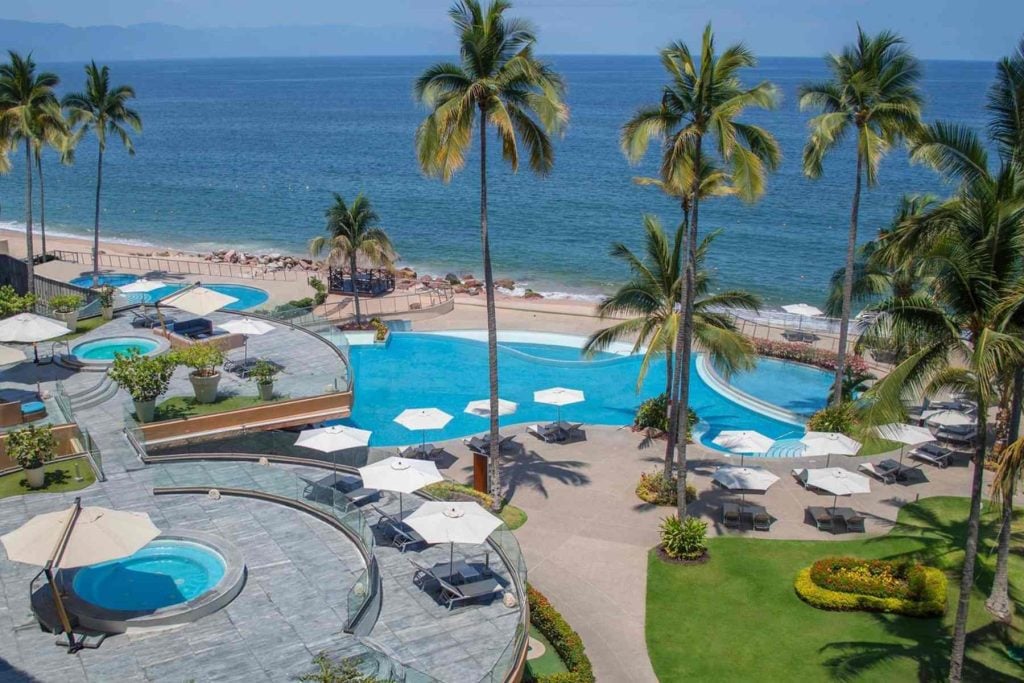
[93, 395]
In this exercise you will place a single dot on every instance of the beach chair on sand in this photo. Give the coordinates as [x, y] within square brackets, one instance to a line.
[822, 518]
[933, 454]
[883, 471]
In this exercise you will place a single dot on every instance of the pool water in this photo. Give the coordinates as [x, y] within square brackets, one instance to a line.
[248, 297]
[104, 349]
[111, 279]
[416, 370]
[796, 387]
[163, 573]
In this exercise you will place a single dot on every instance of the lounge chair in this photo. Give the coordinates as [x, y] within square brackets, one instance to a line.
[933, 454]
[150, 320]
[762, 520]
[799, 336]
[731, 515]
[883, 471]
[854, 523]
[547, 433]
[482, 444]
[822, 518]
[799, 473]
[354, 490]
[427, 452]
[423, 575]
[401, 535]
[958, 437]
[468, 592]
[572, 430]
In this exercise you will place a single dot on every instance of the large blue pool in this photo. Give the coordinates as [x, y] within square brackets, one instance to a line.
[795, 387]
[248, 297]
[164, 573]
[417, 370]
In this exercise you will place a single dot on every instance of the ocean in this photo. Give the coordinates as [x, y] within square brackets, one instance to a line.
[245, 153]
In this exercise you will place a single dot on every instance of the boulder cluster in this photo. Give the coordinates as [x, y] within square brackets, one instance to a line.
[272, 261]
[467, 283]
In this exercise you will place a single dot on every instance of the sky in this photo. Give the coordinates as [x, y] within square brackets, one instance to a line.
[936, 29]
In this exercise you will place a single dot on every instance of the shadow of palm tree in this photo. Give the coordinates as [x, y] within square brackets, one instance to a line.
[529, 469]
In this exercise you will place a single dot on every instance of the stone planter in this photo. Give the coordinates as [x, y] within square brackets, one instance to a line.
[266, 391]
[205, 387]
[145, 410]
[36, 477]
[108, 312]
[69, 319]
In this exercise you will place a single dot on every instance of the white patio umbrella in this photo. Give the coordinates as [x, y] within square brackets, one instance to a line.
[30, 328]
[559, 396]
[804, 311]
[904, 435]
[401, 475]
[945, 417]
[452, 522]
[837, 481]
[247, 327]
[482, 408]
[829, 444]
[743, 441]
[142, 286]
[197, 300]
[9, 354]
[744, 479]
[422, 419]
[333, 439]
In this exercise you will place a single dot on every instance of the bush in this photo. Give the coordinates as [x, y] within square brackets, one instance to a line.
[320, 288]
[65, 303]
[380, 329]
[449, 490]
[932, 602]
[144, 377]
[880, 578]
[684, 539]
[331, 671]
[653, 414]
[567, 643]
[202, 357]
[31, 446]
[841, 418]
[262, 372]
[653, 489]
[804, 353]
[11, 302]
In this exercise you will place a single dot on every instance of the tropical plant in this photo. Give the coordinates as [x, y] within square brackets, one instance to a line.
[872, 94]
[651, 297]
[319, 288]
[703, 98]
[145, 378]
[106, 296]
[202, 357]
[263, 372]
[353, 230]
[65, 303]
[684, 539]
[329, 670]
[102, 109]
[25, 98]
[31, 446]
[841, 418]
[498, 82]
[11, 302]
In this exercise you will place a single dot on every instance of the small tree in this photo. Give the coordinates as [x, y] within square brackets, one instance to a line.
[203, 358]
[65, 303]
[11, 302]
[32, 446]
[106, 296]
[262, 372]
[145, 378]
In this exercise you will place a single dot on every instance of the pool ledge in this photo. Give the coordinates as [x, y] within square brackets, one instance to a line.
[707, 372]
[104, 620]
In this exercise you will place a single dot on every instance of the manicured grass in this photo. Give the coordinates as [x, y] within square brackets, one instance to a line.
[738, 618]
[186, 406]
[451, 490]
[547, 664]
[513, 517]
[60, 476]
[87, 325]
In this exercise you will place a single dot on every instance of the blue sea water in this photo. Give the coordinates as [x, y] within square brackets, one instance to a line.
[244, 153]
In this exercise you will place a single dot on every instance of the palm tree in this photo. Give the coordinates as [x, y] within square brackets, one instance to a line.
[24, 95]
[103, 110]
[651, 299]
[498, 82]
[699, 101]
[52, 131]
[873, 93]
[353, 230]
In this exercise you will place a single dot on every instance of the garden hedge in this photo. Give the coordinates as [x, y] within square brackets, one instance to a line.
[805, 353]
[567, 642]
[931, 604]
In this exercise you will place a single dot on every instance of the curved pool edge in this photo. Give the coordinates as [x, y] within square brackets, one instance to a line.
[227, 589]
[718, 383]
[162, 346]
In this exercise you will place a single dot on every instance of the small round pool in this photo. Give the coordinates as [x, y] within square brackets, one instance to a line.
[166, 572]
[104, 349]
[108, 279]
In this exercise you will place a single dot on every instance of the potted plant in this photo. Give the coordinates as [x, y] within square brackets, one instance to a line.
[203, 358]
[263, 374]
[106, 297]
[66, 306]
[145, 378]
[32, 447]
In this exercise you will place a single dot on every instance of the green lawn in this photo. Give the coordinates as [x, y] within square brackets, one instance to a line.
[84, 326]
[738, 618]
[60, 476]
[186, 406]
[547, 664]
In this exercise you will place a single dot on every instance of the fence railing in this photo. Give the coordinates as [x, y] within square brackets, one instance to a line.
[315, 324]
[393, 304]
[89, 447]
[156, 264]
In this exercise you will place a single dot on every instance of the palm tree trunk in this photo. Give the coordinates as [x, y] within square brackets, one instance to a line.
[998, 602]
[29, 256]
[673, 422]
[42, 205]
[355, 288]
[956, 659]
[670, 375]
[493, 465]
[844, 321]
[96, 225]
[683, 404]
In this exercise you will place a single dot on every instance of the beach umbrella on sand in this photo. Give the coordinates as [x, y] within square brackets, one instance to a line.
[904, 434]
[743, 441]
[559, 396]
[333, 439]
[401, 475]
[452, 522]
[829, 444]
[247, 327]
[835, 480]
[422, 419]
[197, 300]
[30, 328]
[482, 408]
[804, 311]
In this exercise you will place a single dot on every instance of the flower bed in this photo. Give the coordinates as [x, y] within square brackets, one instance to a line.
[567, 642]
[850, 583]
[805, 353]
[652, 489]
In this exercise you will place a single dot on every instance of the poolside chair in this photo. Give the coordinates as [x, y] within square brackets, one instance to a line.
[799, 474]
[822, 518]
[482, 444]
[762, 520]
[933, 454]
[573, 430]
[399, 534]
[957, 436]
[150, 320]
[423, 575]
[468, 592]
[547, 433]
[854, 523]
[731, 515]
[883, 471]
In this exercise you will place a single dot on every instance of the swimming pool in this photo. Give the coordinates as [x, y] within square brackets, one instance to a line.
[111, 279]
[104, 349]
[248, 297]
[416, 370]
[795, 387]
[163, 573]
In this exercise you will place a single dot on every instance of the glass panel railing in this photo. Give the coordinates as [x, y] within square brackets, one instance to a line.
[306, 319]
[133, 432]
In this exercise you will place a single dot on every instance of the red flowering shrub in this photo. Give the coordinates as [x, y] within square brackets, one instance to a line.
[880, 578]
[805, 353]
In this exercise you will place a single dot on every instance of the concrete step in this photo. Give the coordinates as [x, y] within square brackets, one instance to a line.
[102, 391]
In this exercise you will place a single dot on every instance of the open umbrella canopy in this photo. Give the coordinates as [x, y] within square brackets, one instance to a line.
[482, 408]
[744, 478]
[29, 328]
[98, 535]
[805, 310]
[911, 435]
[829, 443]
[142, 286]
[558, 396]
[743, 441]
[198, 300]
[333, 438]
[944, 417]
[247, 326]
[9, 354]
[452, 522]
[399, 474]
[418, 419]
[836, 480]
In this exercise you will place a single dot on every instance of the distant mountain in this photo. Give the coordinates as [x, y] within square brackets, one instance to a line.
[60, 42]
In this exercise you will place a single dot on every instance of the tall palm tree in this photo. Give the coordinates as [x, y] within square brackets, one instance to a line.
[498, 82]
[651, 298]
[104, 110]
[353, 230]
[52, 131]
[873, 94]
[24, 94]
[702, 99]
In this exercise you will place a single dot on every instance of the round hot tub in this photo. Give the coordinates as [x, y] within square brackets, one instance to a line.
[102, 351]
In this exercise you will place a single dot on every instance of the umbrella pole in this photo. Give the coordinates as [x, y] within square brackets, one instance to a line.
[58, 603]
[902, 446]
[451, 560]
[400, 511]
[334, 460]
